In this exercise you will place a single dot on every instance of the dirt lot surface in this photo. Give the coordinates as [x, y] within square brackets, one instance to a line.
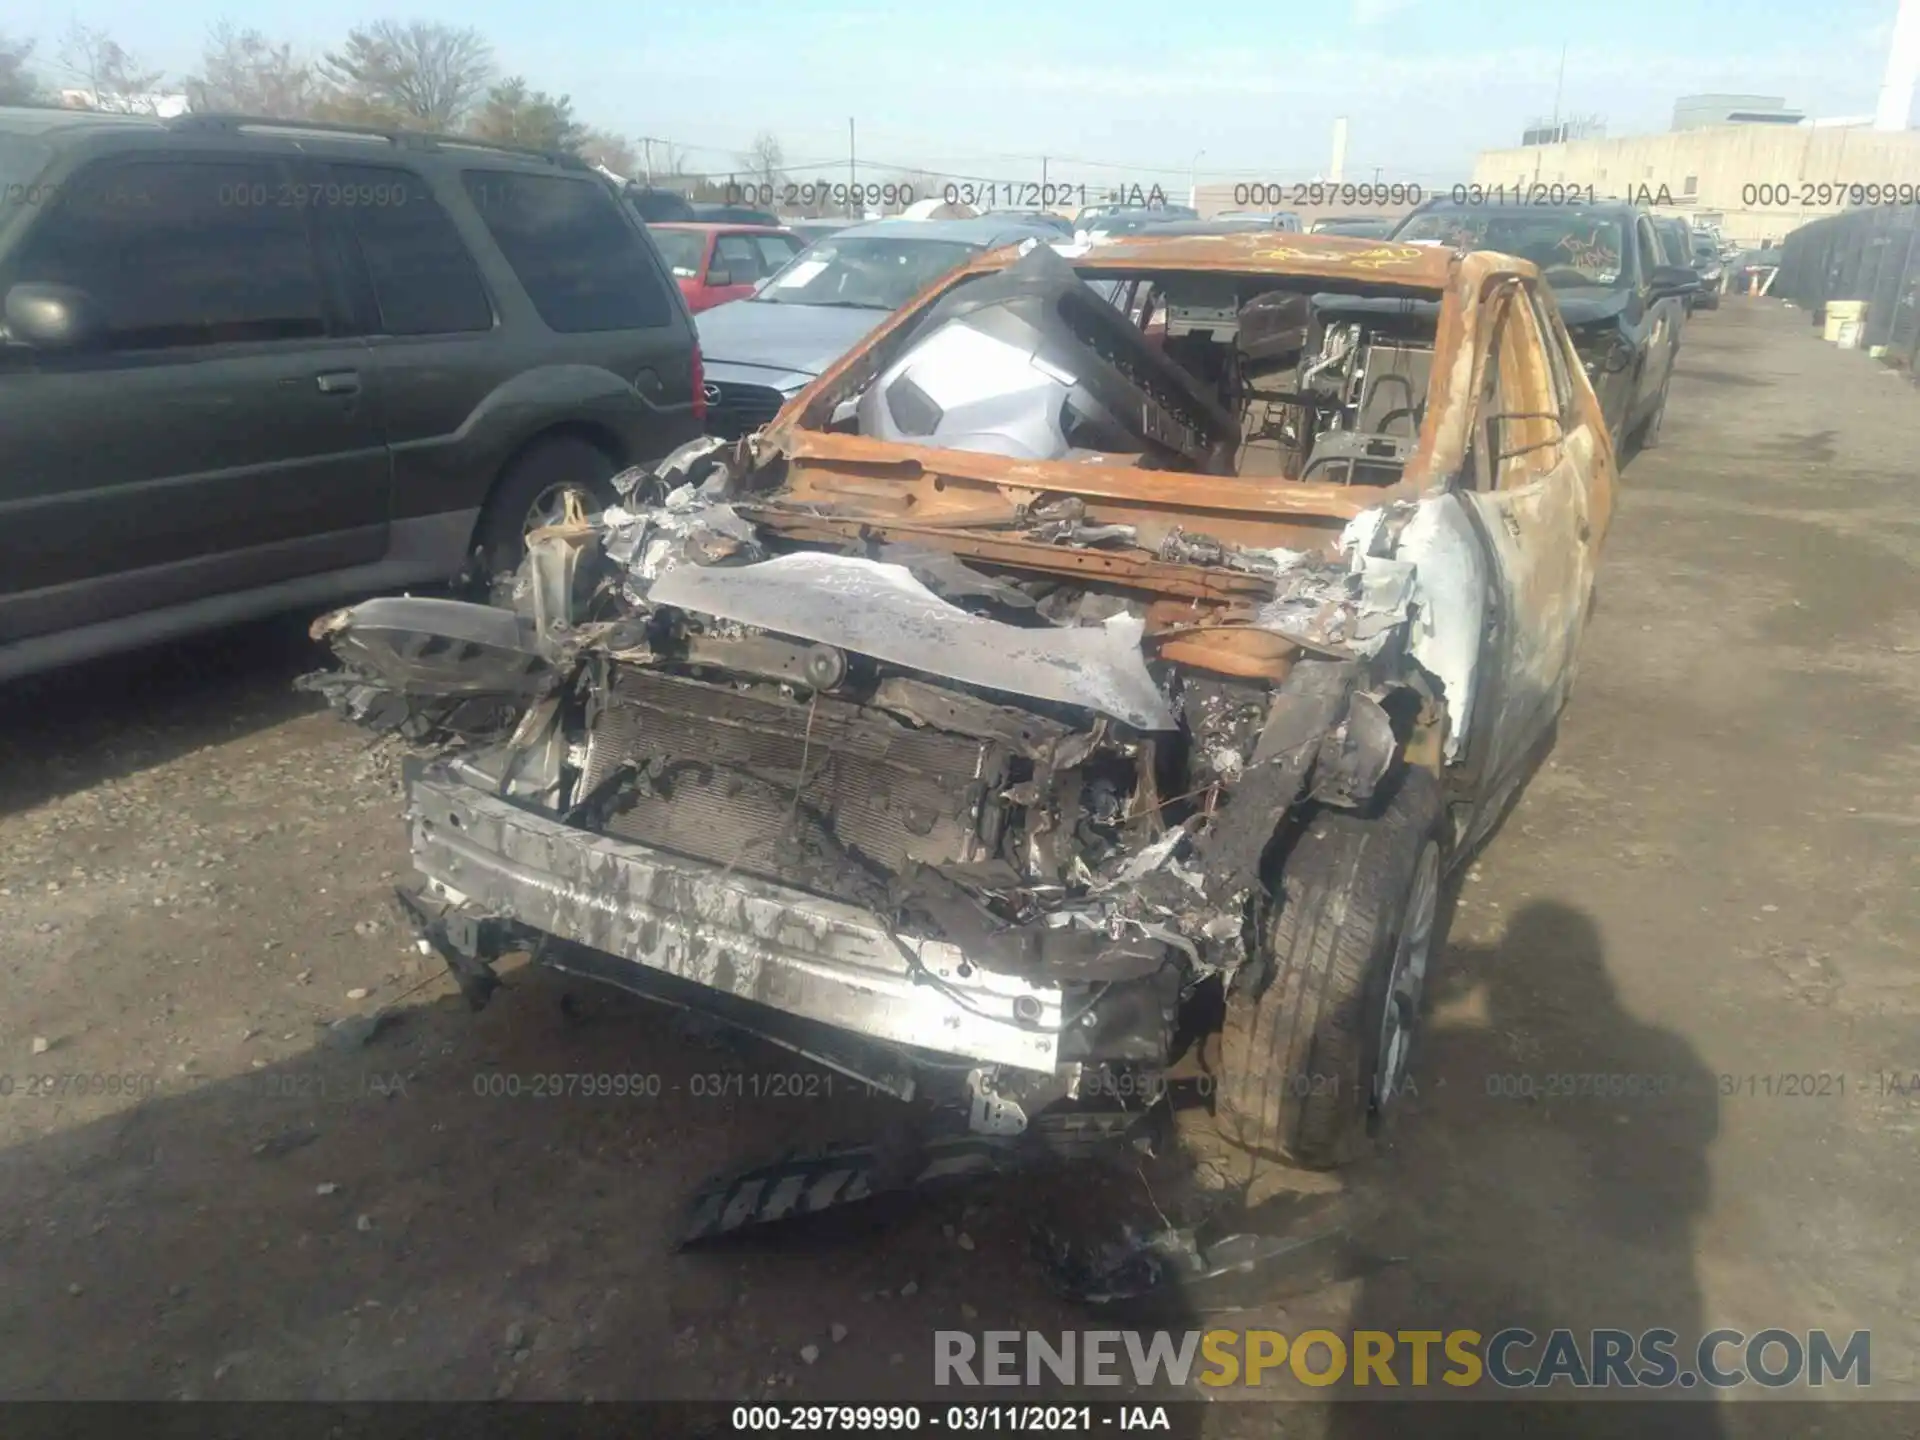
[1714, 884]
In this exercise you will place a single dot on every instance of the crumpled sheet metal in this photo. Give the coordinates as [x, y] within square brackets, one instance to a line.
[691, 526]
[1352, 611]
[829, 961]
[690, 464]
[881, 610]
[1341, 612]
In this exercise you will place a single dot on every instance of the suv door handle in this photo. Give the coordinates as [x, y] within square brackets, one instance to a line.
[338, 382]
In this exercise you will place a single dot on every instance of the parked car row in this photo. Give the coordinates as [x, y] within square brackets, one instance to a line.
[410, 385]
[1623, 293]
[717, 263]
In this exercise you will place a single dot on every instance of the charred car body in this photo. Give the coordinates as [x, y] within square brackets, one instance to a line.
[1032, 706]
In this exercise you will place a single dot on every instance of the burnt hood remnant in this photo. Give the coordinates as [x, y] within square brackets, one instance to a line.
[881, 610]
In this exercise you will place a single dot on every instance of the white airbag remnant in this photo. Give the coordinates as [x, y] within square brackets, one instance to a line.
[1449, 605]
[1357, 538]
[880, 610]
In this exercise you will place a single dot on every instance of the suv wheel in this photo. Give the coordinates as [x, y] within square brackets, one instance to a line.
[1311, 1066]
[1649, 437]
[557, 476]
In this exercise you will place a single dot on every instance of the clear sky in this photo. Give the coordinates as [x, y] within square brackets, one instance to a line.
[986, 87]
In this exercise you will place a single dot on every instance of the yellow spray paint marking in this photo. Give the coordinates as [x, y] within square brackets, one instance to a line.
[1378, 258]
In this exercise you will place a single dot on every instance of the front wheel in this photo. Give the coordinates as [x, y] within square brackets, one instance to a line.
[1313, 1063]
[555, 479]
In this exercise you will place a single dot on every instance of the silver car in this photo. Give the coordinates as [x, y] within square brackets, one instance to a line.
[762, 351]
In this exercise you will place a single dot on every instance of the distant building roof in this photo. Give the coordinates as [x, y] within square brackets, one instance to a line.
[1692, 112]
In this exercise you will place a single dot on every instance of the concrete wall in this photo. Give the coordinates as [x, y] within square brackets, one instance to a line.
[1721, 160]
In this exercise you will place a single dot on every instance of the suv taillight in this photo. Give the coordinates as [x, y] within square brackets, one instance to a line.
[699, 387]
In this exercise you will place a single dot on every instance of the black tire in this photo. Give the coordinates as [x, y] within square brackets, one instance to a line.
[1649, 435]
[1301, 1061]
[545, 470]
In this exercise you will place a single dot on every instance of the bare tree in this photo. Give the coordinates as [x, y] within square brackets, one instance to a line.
[17, 83]
[421, 72]
[515, 115]
[111, 77]
[244, 73]
[664, 160]
[765, 158]
[615, 152]
[340, 105]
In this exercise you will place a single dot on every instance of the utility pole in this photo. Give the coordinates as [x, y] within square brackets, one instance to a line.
[1554, 126]
[646, 144]
[852, 172]
[1045, 198]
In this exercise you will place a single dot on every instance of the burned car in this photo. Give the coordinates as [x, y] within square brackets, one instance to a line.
[1032, 708]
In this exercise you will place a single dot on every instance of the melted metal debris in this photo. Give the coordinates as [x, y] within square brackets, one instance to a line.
[691, 527]
[1139, 1262]
[801, 1184]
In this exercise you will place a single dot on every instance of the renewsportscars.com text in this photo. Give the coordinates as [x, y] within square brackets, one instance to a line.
[1512, 1358]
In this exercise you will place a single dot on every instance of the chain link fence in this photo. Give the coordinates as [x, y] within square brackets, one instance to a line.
[1870, 255]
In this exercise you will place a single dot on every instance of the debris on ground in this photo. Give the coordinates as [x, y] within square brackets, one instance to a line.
[805, 1183]
[353, 1032]
[1141, 1261]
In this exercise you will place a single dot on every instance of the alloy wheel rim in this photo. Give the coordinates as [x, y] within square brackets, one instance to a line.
[557, 505]
[1407, 980]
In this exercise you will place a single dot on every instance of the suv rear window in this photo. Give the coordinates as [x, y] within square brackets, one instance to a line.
[583, 263]
[424, 281]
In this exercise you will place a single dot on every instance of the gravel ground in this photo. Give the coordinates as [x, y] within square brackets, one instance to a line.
[210, 1191]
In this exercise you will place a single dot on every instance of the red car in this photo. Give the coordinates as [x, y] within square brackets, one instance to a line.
[718, 263]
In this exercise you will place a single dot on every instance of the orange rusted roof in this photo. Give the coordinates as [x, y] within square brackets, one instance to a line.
[1266, 252]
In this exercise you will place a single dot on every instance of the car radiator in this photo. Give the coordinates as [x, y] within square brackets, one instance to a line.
[718, 768]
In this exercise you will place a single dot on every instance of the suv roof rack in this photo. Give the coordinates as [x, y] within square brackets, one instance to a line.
[399, 138]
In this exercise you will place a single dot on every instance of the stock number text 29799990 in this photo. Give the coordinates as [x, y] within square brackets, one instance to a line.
[818, 192]
[1820, 194]
[1327, 192]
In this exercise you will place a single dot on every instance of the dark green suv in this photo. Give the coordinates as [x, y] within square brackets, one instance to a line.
[253, 365]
